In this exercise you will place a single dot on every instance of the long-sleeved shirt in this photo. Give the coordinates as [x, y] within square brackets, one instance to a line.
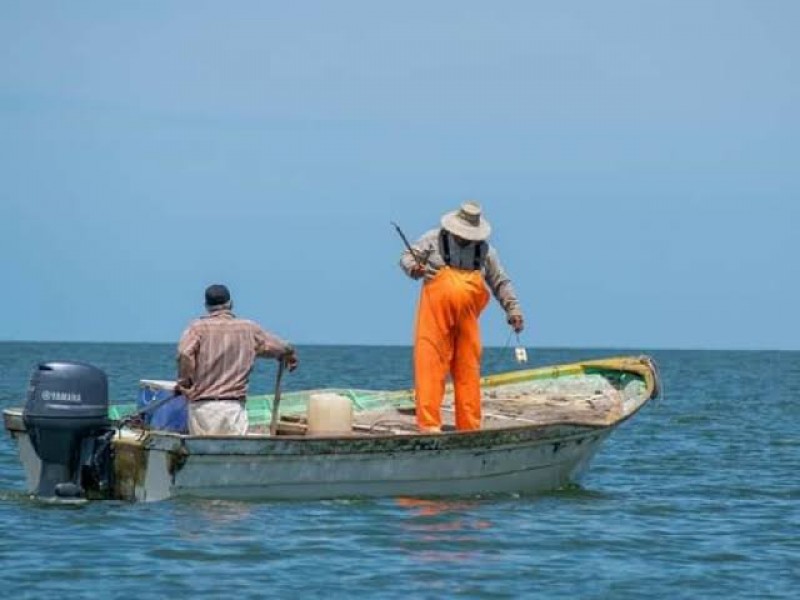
[428, 249]
[216, 354]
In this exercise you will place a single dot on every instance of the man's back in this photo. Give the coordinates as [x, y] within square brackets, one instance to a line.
[216, 354]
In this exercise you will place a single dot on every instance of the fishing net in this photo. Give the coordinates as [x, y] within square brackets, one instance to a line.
[588, 396]
[295, 404]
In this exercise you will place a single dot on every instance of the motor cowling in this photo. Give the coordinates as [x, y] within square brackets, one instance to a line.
[66, 415]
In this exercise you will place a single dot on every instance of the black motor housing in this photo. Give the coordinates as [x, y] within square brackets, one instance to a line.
[66, 415]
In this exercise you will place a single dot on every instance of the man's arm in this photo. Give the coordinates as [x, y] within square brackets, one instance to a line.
[187, 357]
[423, 248]
[503, 290]
[271, 346]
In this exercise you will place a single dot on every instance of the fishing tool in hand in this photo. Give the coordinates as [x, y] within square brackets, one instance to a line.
[520, 353]
[407, 244]
[273, 424]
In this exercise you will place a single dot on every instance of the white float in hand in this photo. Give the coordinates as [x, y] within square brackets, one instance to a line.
[521, 354]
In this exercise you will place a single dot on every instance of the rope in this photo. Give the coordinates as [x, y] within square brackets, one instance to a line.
[508, 339]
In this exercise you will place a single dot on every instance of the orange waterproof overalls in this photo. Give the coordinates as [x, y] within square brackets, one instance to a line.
[448, 340]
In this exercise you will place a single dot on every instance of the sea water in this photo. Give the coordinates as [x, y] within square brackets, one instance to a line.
[698, 496]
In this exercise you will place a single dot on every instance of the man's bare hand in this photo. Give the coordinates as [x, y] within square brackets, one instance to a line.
[417, 271]
[181, 387]
[517, 323]
[291, 360]
[428, 271]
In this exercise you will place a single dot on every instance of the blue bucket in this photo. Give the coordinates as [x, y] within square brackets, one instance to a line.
[171, 416]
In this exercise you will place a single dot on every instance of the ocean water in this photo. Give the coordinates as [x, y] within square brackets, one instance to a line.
[698, 496]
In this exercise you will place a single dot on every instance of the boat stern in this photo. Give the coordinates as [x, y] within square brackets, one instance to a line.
[31, 463]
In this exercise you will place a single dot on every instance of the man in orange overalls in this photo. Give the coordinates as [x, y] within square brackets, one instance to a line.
[454, 262]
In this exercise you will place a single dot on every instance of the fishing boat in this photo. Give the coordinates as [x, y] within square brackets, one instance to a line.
[541, 427]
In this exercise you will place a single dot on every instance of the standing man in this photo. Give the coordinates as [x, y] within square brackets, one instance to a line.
[215, 357]
[454, 262]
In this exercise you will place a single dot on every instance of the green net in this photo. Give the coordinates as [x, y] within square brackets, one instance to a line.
[118, 411]
[259, 408]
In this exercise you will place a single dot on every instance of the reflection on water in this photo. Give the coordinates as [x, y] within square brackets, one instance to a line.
[432, 525]
[221, 512]
[222, 519]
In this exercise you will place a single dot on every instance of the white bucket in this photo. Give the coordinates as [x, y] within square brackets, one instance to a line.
[329, 414]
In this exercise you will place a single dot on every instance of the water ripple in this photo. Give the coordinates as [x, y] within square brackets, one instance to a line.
[697, 497]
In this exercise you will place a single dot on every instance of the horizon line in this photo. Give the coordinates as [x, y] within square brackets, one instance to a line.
[396, 345]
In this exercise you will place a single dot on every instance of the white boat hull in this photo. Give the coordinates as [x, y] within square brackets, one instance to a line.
[242, 470]
[270, 469]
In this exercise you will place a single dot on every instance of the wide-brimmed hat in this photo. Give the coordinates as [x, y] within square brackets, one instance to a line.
[467, 222]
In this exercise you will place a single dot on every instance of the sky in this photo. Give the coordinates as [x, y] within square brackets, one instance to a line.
[639, 163]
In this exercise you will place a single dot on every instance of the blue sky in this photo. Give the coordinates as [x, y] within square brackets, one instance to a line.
[638, 160]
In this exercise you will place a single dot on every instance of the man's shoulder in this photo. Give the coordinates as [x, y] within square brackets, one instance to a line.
[248, 323]
[194, 324]
[216, 321]
[431, 235]
[492, 256]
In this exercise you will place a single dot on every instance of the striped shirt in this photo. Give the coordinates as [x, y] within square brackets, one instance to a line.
[216, 355]
[429, 250]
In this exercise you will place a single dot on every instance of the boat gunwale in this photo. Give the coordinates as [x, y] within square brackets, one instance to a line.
[368, 444]
[642, 365]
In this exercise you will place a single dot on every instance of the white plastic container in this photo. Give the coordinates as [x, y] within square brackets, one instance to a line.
[329, 414]
[521, 354]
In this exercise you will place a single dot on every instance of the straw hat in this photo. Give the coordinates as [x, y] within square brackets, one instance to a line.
[466, 222]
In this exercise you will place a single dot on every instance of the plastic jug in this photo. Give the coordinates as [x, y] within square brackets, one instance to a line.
[329, 414]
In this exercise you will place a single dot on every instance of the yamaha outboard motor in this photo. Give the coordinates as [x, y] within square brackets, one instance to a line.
[66, 415]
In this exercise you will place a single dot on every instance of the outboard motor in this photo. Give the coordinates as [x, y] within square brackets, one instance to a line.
[66, 415]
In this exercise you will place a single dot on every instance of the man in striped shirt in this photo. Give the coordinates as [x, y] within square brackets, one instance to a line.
[216, 354]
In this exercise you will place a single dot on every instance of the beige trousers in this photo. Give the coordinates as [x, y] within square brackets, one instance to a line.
[218, 417]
